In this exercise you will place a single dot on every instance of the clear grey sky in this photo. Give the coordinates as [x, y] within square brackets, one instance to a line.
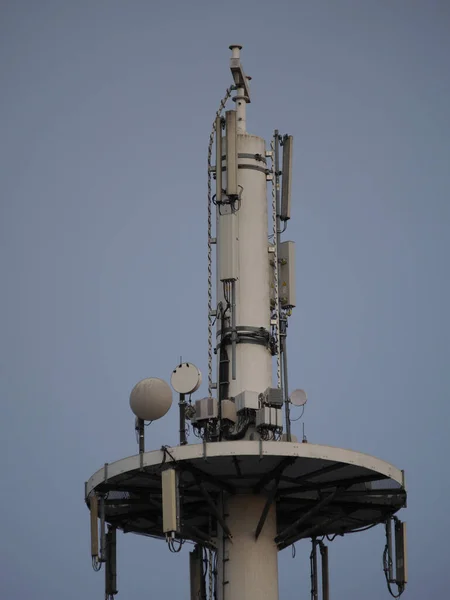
[105, 109]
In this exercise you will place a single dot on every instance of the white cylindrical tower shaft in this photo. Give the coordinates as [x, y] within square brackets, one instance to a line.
[252, 285]
[248, 568]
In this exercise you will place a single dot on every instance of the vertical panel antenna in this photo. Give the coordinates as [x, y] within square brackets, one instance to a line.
[285, 212]
[102, 529]
[232, 189]
[218, 160]
[401, 569]
[170, 502]
[94, 525]
[111, 563]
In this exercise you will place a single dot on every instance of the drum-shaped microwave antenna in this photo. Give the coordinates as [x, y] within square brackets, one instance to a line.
[186, 378]
[150, 399]
[298, 398]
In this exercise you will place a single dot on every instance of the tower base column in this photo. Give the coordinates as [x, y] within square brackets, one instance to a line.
[247, 568]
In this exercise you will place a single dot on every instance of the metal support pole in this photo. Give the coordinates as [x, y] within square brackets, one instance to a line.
[283, 321]
[283, 338]
[241, 100]
[314, 578]
[325, 572]
[233, 330]
[241, 105]
[221, 546]
[141, 434]
[182, 406]
[276, 175]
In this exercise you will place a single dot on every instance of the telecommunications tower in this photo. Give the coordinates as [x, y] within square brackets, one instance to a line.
[246, 489]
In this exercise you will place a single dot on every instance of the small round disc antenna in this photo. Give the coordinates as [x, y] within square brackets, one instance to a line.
[150, 399]
[186, 378]
[298, 398]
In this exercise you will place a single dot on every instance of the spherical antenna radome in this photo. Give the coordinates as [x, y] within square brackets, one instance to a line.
[150, 399]
[298, 398]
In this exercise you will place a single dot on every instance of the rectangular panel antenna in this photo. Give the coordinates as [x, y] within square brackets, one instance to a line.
[401, 566]
[286, 180]
[231, 153]
[111, 563]
[94, 525]
[227, 235]
[286, 288]
[218, 159]
[170, 501]
[102, 529]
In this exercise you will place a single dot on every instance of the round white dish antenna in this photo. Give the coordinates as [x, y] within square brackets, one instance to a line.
[150, 399]
[186, 378]
[298, 398]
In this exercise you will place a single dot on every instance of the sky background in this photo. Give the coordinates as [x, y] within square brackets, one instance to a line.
[105, 109]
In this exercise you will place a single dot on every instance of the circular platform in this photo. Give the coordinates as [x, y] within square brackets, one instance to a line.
[317, 489]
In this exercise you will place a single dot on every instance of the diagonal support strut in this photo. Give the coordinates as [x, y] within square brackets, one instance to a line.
[304, 518]
[267, 506]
